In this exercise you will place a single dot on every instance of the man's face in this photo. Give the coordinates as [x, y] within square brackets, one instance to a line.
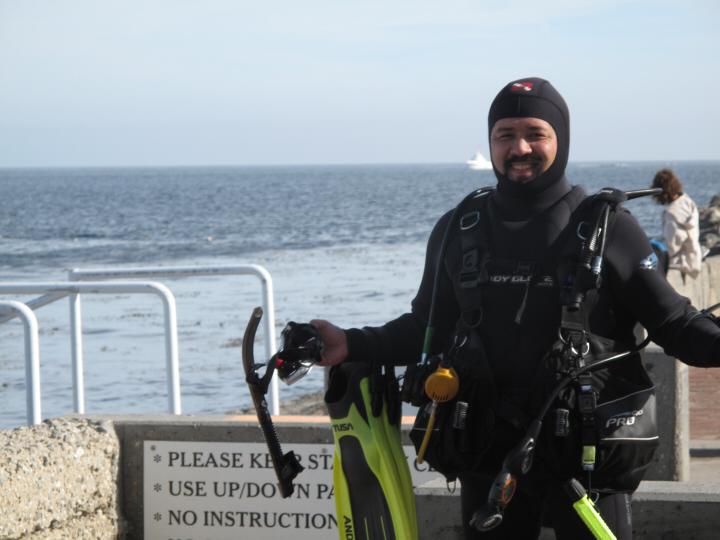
[522, 148]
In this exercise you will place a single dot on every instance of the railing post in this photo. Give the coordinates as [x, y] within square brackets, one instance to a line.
[270, 340]
[171, 352]
[76, 350]
[32, 360]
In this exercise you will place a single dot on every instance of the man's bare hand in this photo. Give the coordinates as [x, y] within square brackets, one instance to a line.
[335, 343]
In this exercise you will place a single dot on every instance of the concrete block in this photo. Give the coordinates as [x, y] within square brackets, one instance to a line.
[97, 526]
[661, 511]
[438, 511]
[702, 291]
[59, 478]
[676, 511]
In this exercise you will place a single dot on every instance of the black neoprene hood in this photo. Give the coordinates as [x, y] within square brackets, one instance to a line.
[534, 98]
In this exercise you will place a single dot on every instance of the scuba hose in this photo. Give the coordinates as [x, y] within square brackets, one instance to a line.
[441, 386]
[593, 245]
[520, 459]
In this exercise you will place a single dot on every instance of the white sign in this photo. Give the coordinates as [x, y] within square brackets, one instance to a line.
[223, 490]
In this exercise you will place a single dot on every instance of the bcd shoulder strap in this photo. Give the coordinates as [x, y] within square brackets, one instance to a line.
[594, 218]
[473, 227]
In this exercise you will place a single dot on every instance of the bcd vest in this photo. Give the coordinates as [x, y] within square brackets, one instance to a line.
[550, 303]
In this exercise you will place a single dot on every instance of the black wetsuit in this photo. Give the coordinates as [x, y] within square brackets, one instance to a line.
[528, 222]
[521, 324]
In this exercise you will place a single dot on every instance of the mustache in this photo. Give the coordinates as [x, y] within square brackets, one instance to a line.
[524, 159]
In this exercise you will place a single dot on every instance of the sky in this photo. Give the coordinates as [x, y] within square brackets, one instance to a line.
[281, 82]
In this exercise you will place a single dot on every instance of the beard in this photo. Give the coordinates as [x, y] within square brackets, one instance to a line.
[534, 167]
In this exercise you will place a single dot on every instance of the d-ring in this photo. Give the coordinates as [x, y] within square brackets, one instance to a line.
[586, 349]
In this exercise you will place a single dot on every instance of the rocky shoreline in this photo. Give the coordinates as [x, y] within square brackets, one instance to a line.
[309, 404]
[710, 226]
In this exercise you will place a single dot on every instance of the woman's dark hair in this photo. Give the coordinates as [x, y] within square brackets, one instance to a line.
[671, 186]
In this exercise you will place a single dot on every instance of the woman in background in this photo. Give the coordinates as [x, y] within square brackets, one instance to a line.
[681, 224]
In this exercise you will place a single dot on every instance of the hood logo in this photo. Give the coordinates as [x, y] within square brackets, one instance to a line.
[525, 86]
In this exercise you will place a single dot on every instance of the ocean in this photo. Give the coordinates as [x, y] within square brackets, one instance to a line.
[344, 243]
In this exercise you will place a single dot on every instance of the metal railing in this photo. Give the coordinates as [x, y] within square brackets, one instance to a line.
[53, 291]
[32, 358]
[78, 274]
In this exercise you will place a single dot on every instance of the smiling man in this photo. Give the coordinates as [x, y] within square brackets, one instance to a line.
[520, 284]
[523, 148]
[529, 132]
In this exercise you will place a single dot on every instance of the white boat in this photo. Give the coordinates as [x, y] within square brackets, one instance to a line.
[479, 163]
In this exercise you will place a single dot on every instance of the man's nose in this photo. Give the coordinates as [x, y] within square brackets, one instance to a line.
[521, 147]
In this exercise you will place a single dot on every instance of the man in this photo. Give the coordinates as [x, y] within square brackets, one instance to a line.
[499, 284]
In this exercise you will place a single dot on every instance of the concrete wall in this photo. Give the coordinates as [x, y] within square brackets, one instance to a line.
[705, 289]
[60, 480]
[667, 510]
[704, 397]
[688, 398]
[134, 430]
[661, 510]
[656, 504]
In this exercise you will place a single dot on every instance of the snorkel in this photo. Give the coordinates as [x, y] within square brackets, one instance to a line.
[301, 349]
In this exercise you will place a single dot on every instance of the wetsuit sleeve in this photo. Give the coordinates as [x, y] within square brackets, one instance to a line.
[670, 319]
[400, 340]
